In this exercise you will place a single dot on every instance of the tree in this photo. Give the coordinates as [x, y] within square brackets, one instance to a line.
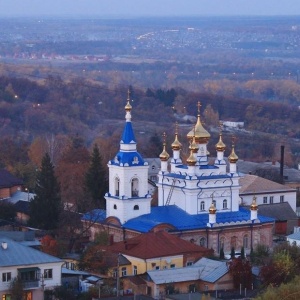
[240, 269]
[7, 211]
[95, 179]
[242, 253]
[46, 207]
[49, 245]
[232, 253]
[222, 255]
[16, 289]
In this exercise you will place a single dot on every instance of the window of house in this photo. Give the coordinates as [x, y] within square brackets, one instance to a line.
[202, 205]
[271, 199]
[225, 204]
[124, 271]
[156, 267]
[6, 297]
[48, 274]
[6, 277]
[115, 272]
[189, 263]
[281, 199]
[136, 207]
[134, 270]
[206, 287]
[202, 241]
[172, 266]
[265, 200]
[115, 206]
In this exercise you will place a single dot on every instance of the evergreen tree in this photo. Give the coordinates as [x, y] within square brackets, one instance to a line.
[232, 253]
[243, 253]
[95, 179]
[46, 206]
[222, 254]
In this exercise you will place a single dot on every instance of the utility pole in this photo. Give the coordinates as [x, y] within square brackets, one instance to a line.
[118, 276]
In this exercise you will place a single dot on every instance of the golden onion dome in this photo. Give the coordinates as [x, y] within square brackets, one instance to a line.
[191, 161]
[164, 156]
[212, 209]
[176, 145]
[220, 146]
[233, 158]
[194, 146]
[201, 135]
[254, 205]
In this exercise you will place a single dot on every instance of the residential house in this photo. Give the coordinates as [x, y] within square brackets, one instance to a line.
[294, 238]
[204, 275]
[37, 270]
[285, 217]
[158, 251]
[265, 191]
[9, 184]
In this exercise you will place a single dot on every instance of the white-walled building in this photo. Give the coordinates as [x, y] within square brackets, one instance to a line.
[265, 191]
[37, 270]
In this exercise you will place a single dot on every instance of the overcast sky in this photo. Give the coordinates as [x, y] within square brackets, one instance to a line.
[148, 7]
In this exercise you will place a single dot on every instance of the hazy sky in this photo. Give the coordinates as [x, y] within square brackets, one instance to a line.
[148, 7]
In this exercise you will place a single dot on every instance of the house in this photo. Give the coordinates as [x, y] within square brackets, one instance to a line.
[156, 251]
[294, 238]
[285, 217]
[204, 275]
[198, 201]
[265, 191]
[9, 184]
[37, 270]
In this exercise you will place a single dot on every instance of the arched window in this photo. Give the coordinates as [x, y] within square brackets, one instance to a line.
[136, 207]
[117, 186]
[245, 241]
[233, 242]
[134, 187]
[215, 203]
[202, 205]
[203, 241]
[221, 243]
[225, 204]
[192, 241]
[115, 206]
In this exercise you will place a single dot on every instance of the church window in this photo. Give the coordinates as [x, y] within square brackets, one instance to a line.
[202, 205]
[214, 202]
[115, 206]
[192, 241]
[203, 241]
[281, 199]
[245, 241]
[153, 167]
[265, 200]
[117, 187]
[233, 242]
[135, 160]
[225, 204]
[134, 187]
[136, 207]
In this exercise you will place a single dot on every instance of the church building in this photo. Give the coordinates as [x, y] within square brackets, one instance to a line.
[197, 201]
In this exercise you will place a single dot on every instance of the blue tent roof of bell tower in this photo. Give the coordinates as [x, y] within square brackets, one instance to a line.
[128, 135]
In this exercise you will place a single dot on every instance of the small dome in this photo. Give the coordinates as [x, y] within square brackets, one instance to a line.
[212, 209]
[176, 145]
[254, 205]
[164, 156]
[128, 107]
[191, 161]
[220, 146]
[194, 146]
[233, 158]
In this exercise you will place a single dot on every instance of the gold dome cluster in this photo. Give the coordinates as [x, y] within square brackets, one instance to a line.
[128, 107]
[176, 145]
[233, 158]
[220, 146]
